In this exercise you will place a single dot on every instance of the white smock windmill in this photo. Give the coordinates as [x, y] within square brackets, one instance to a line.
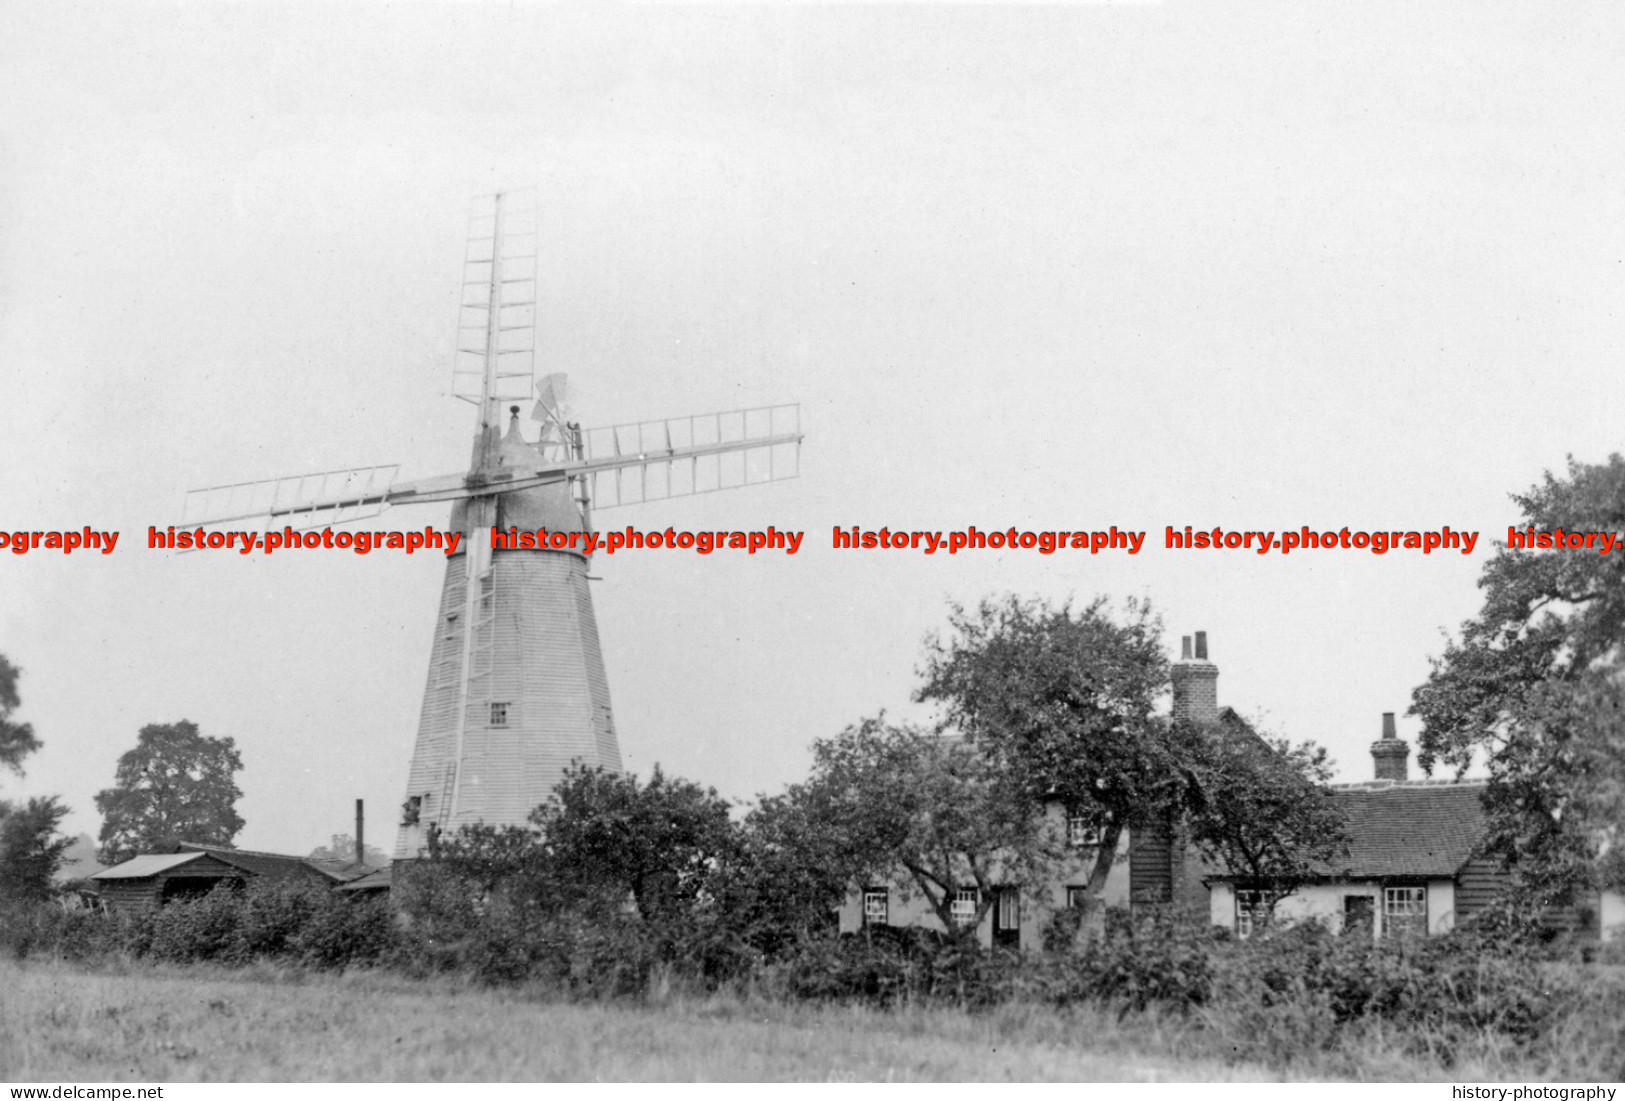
[516, 687]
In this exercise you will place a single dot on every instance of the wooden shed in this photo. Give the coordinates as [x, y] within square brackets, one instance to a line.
[153, 879]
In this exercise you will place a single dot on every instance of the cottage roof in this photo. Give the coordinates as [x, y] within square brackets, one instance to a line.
[1422, 828]
[140, 867]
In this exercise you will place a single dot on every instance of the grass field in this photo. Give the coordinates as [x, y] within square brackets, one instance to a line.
[60, 1023]
[139, 1021]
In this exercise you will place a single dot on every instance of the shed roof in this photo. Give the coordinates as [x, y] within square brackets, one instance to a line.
[140, 867]
[274, 864]
[380, 879]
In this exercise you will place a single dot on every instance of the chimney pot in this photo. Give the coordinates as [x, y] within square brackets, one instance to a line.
[1201, 645]
[1388, 734]
[1185, 648]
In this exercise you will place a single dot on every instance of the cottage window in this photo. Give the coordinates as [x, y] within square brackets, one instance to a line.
[1251, 910]
[1404, 911]
[1077, 898]
[876, 906]
[1081, 833]
[499, 714]
[963, 907]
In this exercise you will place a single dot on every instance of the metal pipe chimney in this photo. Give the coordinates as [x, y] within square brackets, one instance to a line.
[360, 844]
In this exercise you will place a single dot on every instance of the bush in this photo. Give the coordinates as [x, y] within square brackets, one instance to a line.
[208, 928]
[339, 932]
[1158, 961]
[272, 916]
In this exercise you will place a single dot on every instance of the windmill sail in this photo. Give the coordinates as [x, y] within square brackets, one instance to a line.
[497, 311]
[301, 500]
[627, 464]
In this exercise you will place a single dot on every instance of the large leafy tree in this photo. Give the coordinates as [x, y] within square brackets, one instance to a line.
[1533, 684]
[930, 814]
[609, 838]
[1260, 808]
[30, 848]
[791, 873]
[16, 739]
[177, 784]
[1063, 701]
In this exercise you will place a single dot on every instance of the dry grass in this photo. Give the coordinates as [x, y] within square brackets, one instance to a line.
[147, 1022]
[265, 1024]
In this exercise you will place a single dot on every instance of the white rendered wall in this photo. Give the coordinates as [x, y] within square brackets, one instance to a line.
[1611, 913]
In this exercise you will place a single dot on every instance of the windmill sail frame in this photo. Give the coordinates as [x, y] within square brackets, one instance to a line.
[656, 460]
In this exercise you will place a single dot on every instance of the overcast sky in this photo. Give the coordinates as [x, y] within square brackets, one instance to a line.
[1045, 267]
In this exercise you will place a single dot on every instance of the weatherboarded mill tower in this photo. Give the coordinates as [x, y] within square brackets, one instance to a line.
[516, 687]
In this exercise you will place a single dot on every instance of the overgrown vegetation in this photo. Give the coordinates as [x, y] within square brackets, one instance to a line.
[1292, 996]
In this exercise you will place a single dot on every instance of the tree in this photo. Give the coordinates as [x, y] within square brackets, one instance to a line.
[30, 848]
[175, 785]
[609, 838]
[1063, 701]
[16, 739]
[1066, 702]
[1259, 808]
[1533, 683]
[790, 874]
[927, 813]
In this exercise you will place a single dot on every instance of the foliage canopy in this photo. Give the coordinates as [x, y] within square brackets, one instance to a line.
[1534, 683]
[928, 813]
[30, 847]
[17, 740]
[177, 784]
[1259, 807]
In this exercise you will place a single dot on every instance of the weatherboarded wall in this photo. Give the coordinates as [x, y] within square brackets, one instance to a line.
[146, 892]
[537, 654]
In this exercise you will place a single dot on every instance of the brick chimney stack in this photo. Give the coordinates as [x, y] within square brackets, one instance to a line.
[1390, 754]
[1196, 683]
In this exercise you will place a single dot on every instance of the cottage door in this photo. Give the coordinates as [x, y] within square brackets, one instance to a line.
[1007, 919]
[1358, 911]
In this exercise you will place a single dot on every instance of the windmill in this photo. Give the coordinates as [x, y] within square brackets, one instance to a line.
[516, 687]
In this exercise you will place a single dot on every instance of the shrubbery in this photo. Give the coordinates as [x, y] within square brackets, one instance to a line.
[1285, 994]
[291, 923]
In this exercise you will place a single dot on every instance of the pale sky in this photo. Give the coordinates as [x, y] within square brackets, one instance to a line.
[1046, 267]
